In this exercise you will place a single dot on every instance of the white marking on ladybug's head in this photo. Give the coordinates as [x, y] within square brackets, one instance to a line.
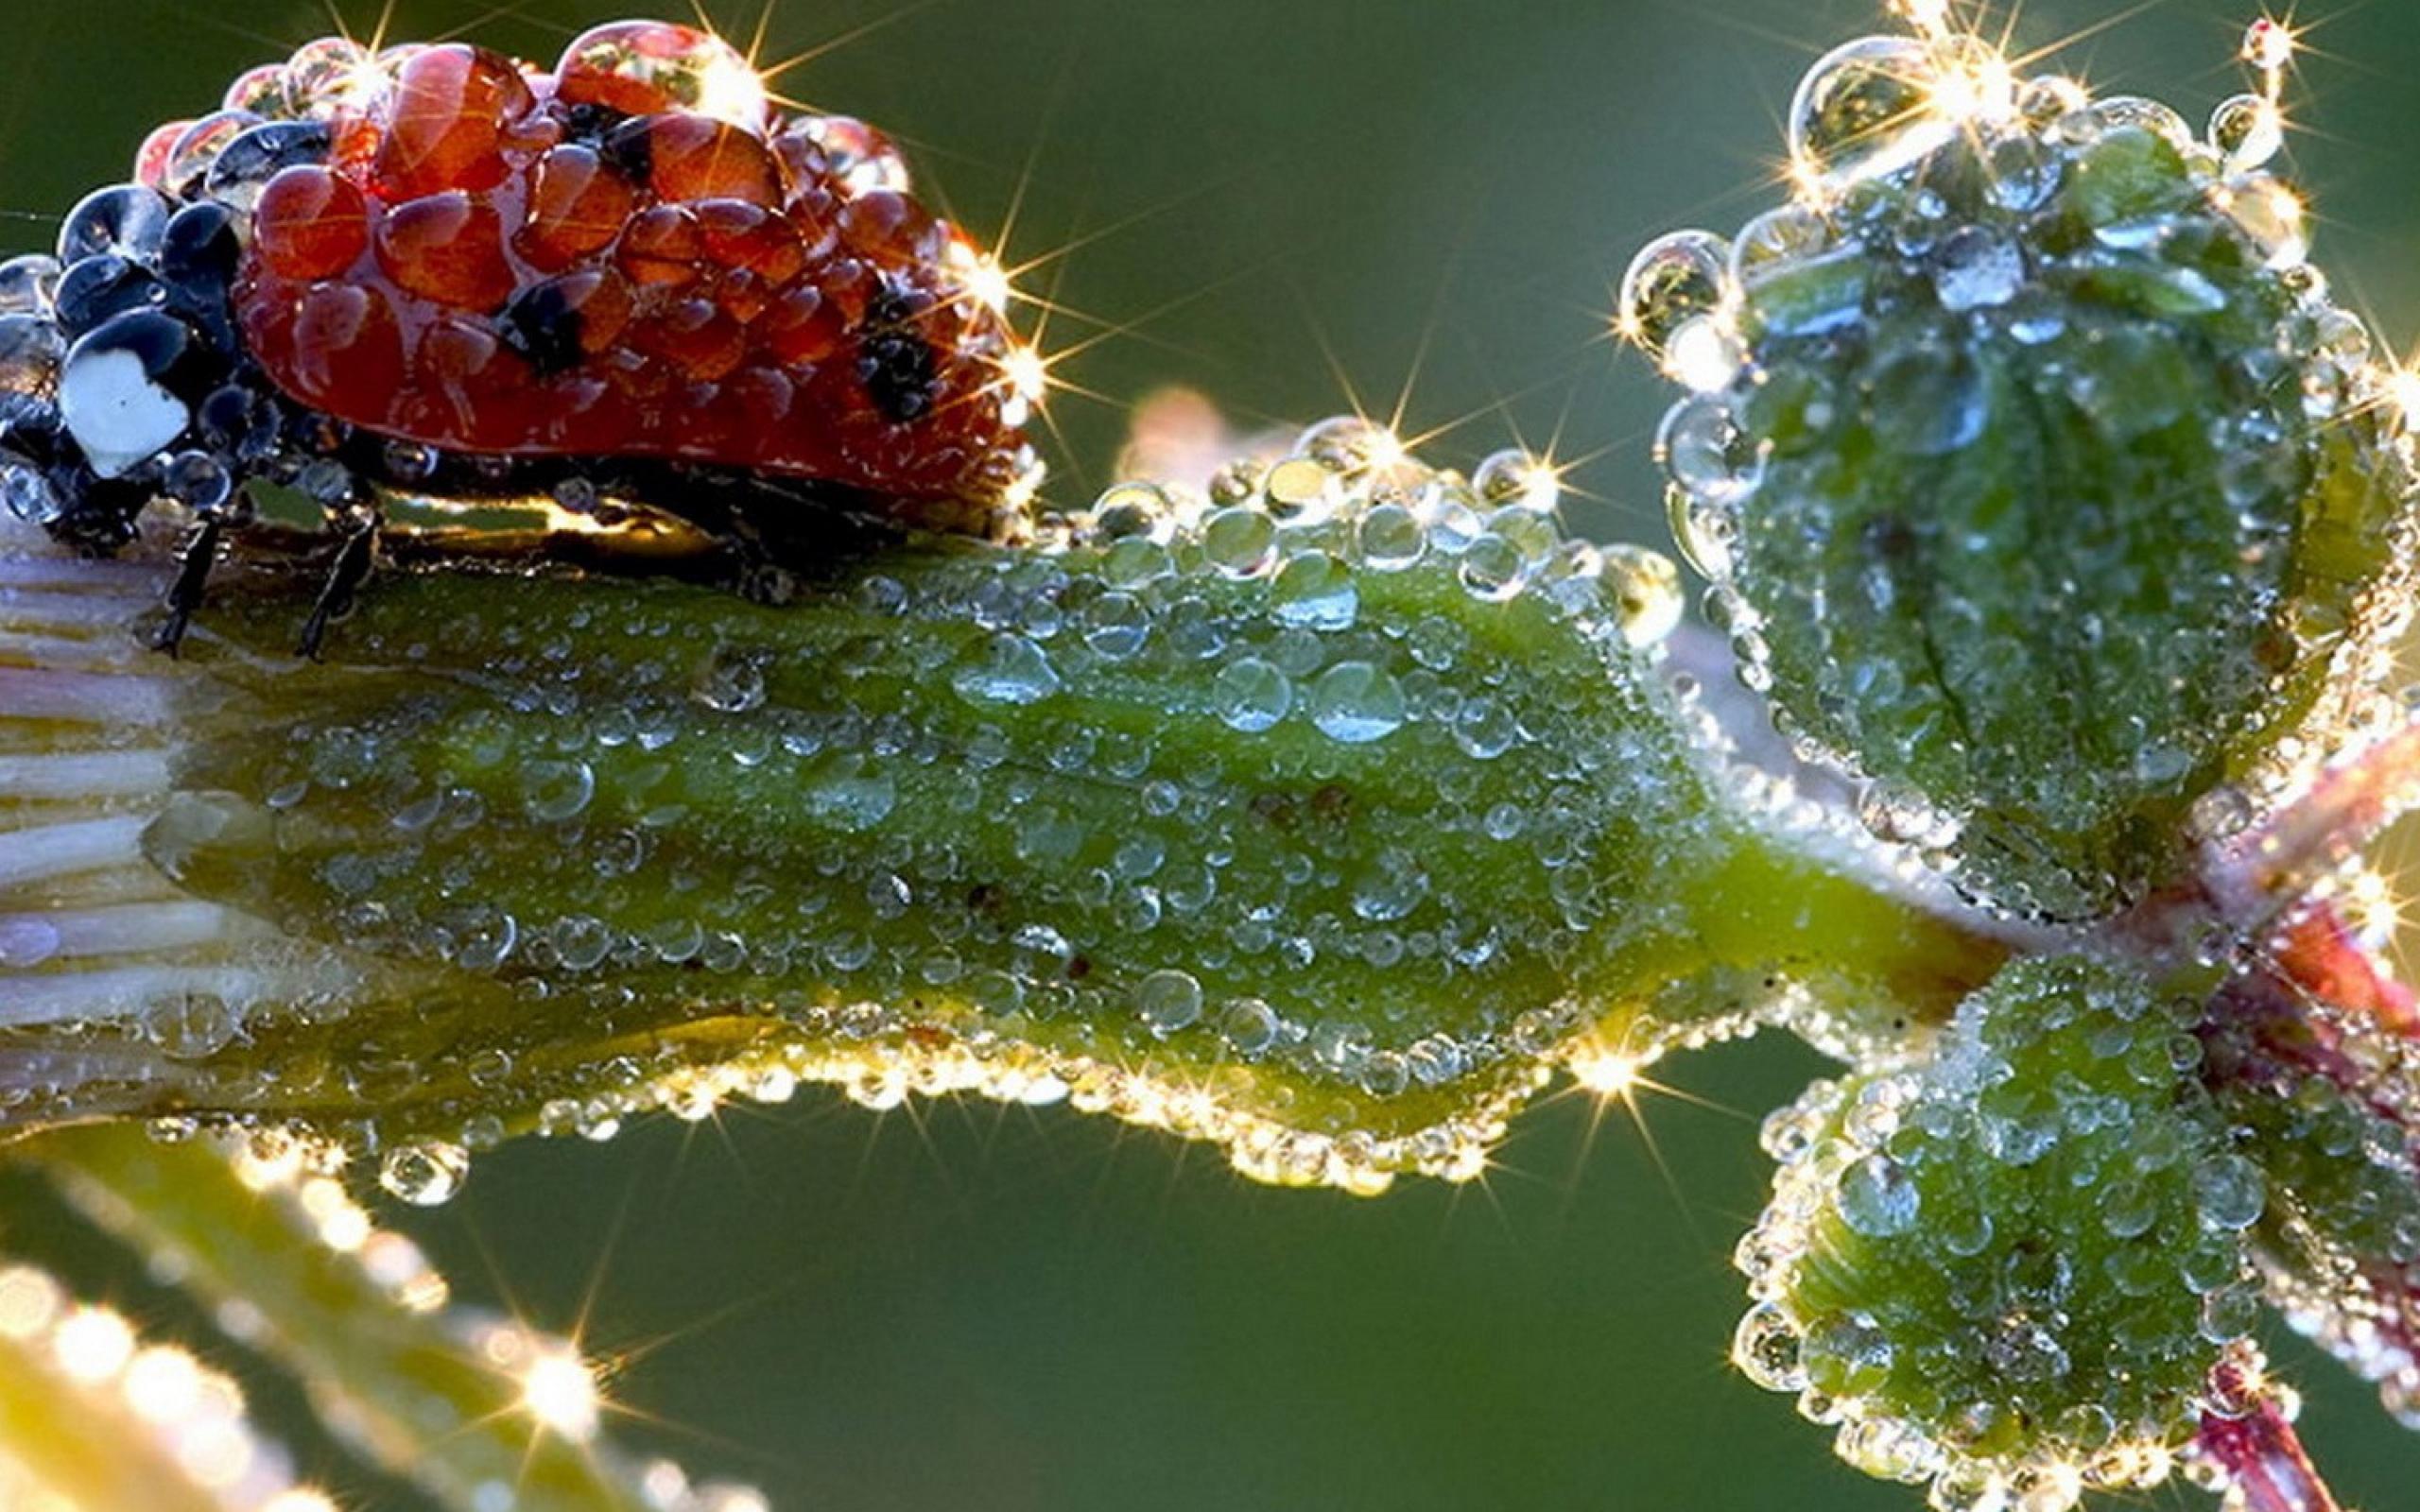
[116, 412]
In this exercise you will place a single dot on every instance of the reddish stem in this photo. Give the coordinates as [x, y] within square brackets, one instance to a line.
[2265, 1463]
[2252, 1442]
[2276, 862]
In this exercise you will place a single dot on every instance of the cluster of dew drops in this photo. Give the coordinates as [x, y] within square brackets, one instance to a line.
[1869, 109]
[1309, 526]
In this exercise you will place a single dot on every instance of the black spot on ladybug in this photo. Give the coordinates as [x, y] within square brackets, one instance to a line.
[630, 146]
[897, 364]
[591, 124]
[540, 324]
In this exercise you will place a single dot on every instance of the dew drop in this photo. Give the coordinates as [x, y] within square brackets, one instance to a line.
[1117, 626]
[581, 943]
[1301, 491]
[1704, 532]
[1168, 1002]
[425, 1173]
[1708, 451]
[1645, 587]
[1673, 279]
[1389, 887]
[2248, 131]
[1239, 542]
[2230, 1192]
[1705, 354]
[1878, 1197]
[2025, 172]
[1355, 702]
[1977, 269]
[2128, 1209]
[848, 790]
[1493, 568]
[1390, 538]
[1765, 1348]
[1513, 479]
[552, 792]
[731, 681]
[1865, 110]
[190, 1025]
[2270, 216]
[2268, 45]
[1248, 1026]
[1315, 590]
[1250, 694]
[1134, 509]
[1006, 669]
[1777, 240]
[28, 940]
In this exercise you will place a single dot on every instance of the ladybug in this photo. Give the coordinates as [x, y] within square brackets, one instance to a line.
[437, 277]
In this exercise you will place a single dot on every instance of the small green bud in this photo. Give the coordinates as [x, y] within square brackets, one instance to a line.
[1322, 824]
[2016, 1264]
[2044, 485]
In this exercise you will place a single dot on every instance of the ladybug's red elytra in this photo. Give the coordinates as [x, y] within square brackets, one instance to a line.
[437, 270]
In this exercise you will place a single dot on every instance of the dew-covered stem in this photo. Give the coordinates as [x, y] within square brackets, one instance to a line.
[470, 1408]
[1318, 843]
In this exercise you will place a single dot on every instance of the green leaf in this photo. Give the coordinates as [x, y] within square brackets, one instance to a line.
[2053, 493]
[2015, 1265]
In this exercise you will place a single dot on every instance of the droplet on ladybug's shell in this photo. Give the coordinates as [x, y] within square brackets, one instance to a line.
[348, 348]
[698, 156]
[200, 251]
[190, 159]
[643, 67]
[260, 91]
[448, 248]
[663, 246]
[457, 353]
[311, 223]
[330, 75]
[445, 121]
[697, 335]
[578, 205]
[249, 163]
[861, 157]
[151, 159]
[883, 223]
[94, 288]
[741, 236]
[802, 326]
[125, 219]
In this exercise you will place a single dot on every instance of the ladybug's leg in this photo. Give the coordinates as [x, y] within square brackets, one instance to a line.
[194, 564]
[336, 596]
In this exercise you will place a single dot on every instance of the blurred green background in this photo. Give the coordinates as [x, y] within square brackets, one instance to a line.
[1293, 205]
